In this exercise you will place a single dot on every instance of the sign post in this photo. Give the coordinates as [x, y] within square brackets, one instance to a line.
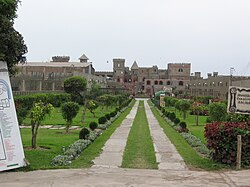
[239, 100]
[11, 148]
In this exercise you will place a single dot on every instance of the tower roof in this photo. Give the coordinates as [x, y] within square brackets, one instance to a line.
[83, 57]
[135, 65]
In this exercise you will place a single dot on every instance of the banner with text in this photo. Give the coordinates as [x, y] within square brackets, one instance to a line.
[11, 148]
[239, 100]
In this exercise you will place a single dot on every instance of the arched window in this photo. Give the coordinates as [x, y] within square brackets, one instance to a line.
[160, 83]
[180, 70]
[180, 83]
[148, 82]
[168, 82]
[156, 82]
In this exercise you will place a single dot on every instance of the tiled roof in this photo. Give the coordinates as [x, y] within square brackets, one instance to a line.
[83, 57]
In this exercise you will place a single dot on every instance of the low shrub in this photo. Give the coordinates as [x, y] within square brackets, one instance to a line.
[222, 140]
[83, 133]
[183, 125]
[172, 116]
[70, 153]
[93, 125]
[113, 114]
[102, 120]
[176, 121]
[107, 116]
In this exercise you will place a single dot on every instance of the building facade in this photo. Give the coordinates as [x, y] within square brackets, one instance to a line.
[215, 85]
[49, 76]
[148, 80]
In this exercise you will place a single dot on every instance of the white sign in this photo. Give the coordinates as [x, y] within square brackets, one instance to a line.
[11, 148]
[239, 100]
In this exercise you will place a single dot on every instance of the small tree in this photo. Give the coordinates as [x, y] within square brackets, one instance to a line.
[92, 106]
[69, 111]
[75, 86]
[183, 106]
[198, 108]
[217, 111]
[37, 115]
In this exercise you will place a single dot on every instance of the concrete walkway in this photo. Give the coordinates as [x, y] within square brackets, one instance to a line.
[166, 154]
[111, 156]
[119, 177]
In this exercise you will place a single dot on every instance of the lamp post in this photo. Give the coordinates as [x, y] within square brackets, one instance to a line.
[231, 75]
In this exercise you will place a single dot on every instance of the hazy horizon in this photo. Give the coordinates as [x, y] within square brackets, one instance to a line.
[211, 35]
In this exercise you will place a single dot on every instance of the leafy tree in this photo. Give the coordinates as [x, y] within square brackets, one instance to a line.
[12, 48]
[198, 108]
[75, 86]
[92, 106]
[217, 111]
[69, 111]
[91, 94]
[37, 115]
[183, 106]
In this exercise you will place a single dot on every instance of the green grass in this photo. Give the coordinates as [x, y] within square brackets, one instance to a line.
[51, 139]
[54, 140]
[85, 160]
[55, 118]
[139, 151]
[198, 131]
[190, 156]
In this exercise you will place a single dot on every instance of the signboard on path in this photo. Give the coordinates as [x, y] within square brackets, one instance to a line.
[239, 100]
[11, 148]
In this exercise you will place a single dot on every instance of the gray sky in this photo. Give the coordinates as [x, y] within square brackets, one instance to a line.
[213, 35]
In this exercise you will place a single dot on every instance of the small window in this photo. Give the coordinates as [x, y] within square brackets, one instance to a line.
[156, 82]
[148, 82]
[161, 83]
[180, 70]
[181, 83]
[168, 82]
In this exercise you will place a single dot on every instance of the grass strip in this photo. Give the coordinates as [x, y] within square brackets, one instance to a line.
[190, 120]
[91, 152]
[139, 152]
[190, 156]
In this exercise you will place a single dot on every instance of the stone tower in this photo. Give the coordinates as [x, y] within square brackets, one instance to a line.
[119, 69]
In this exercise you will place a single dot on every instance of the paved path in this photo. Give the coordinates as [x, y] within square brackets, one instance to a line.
[116, 177]
[113, 149]
[166, 154]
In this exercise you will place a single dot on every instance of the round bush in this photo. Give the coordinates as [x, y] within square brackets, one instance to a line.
[172, 116]
[102, 120]
[93, 125]
[176, 121]
[83, 133]
[107, 116]
[183, 125]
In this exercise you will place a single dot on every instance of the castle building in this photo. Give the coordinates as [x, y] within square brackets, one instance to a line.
[49, 76]
[149, 80]
[215, 85]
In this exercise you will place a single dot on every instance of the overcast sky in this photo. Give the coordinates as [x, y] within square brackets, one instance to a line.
[213, 35]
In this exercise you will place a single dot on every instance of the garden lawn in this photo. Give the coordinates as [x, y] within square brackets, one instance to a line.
[190, 156]
[139, 151]
[55, 118]
[53, 140]
[190, 120]
[56, 139]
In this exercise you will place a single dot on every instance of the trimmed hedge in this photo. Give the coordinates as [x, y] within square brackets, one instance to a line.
[222, 140]
[56, 99]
